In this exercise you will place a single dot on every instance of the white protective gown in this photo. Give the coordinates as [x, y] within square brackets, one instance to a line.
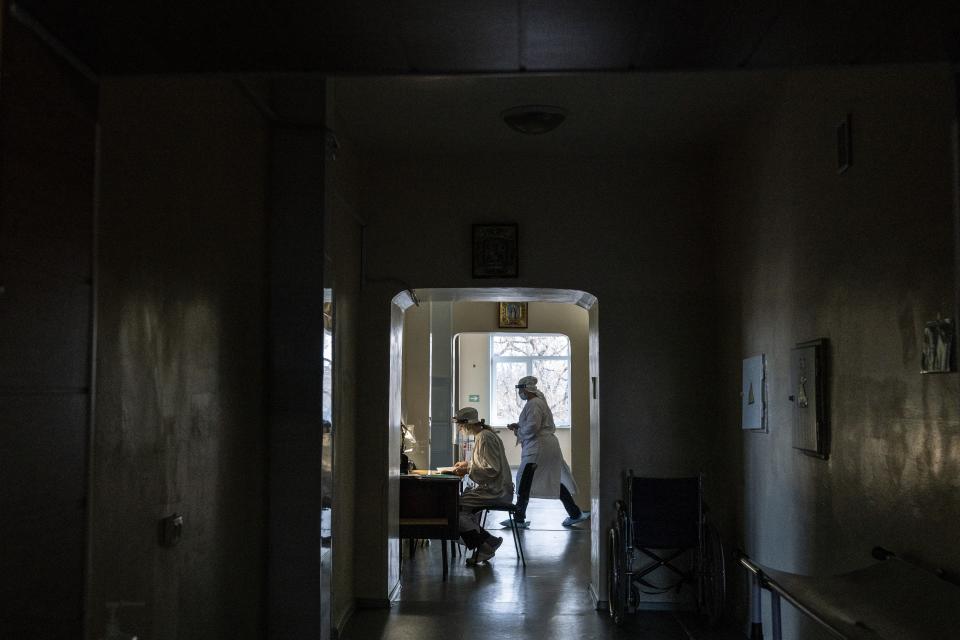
[490, 469]
[536, 433]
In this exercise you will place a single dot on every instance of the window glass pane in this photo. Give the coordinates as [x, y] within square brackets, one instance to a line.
[521, 345]
[506, 403]
[515, 355]
[510, 346]
[549, 345]
[554, 382]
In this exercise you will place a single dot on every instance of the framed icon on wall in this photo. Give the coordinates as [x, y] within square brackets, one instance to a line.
[495, 253]
[513, 315]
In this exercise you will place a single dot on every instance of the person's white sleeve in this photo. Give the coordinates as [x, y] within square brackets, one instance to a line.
[530, 421]
[535, 420]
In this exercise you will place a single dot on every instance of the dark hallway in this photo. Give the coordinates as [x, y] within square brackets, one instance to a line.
[549, 599]
[211, 218]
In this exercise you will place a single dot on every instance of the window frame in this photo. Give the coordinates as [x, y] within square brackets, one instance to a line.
[529, 367]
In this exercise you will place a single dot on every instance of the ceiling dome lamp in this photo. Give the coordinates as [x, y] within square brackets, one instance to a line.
[534, 119]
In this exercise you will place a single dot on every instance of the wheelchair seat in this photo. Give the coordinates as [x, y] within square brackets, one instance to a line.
[665, 511]
[662, 524]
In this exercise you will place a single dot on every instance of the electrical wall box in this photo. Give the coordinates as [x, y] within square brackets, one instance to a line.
[171, 529]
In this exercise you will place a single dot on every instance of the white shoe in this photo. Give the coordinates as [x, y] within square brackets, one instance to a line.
[570, 521]
[485, 551]
[521, 524]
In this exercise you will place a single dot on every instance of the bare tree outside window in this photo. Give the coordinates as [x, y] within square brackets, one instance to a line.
[515, 355]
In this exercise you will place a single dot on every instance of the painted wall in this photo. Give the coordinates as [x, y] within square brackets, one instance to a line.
[180, 418]
[416, 380]
[863, 258]
[578, 216]
[342, 246]
[47, 173]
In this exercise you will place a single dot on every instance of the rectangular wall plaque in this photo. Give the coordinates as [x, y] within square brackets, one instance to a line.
[807, 377]
[844, 145]
[937, 355]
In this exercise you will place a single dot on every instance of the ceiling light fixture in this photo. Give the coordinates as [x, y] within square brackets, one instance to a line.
[533, 119]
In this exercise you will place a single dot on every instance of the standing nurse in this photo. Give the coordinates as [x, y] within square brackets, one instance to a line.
[543, 472]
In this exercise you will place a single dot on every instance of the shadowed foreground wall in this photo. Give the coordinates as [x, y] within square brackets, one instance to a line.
[863, 258]
[179, 425]
[47, 159]
[342, 246]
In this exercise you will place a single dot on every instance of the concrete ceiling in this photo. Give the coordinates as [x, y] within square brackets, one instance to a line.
[607, 113]
[493, 36]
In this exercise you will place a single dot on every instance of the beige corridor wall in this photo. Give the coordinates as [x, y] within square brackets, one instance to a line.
[416, 380]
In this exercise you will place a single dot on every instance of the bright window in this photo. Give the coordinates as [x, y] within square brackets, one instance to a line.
[327, 409]
[515, 355]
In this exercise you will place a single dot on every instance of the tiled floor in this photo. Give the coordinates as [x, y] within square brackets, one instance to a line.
[500, 600]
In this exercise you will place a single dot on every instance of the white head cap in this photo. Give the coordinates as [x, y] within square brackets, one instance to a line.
[528, 382]
[466, 415]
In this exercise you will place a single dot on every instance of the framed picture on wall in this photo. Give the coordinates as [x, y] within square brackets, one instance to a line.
[811, 433]
[844, 145]
[513, 315]
[495, 252]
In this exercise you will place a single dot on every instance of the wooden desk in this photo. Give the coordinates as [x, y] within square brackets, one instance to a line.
[429, 508]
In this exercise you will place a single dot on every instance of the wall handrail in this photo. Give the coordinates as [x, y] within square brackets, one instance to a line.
[888, 600]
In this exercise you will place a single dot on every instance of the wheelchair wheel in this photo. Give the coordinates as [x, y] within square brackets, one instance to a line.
[713, 585]
[616, 575]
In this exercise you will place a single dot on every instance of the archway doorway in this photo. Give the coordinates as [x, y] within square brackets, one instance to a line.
[423, 390]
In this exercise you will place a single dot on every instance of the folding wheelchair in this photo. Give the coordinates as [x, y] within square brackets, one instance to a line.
[662, 524]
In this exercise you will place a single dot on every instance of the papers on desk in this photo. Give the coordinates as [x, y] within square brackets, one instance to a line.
[442, 471]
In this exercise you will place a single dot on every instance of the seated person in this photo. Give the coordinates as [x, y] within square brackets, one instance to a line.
[489, 469]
